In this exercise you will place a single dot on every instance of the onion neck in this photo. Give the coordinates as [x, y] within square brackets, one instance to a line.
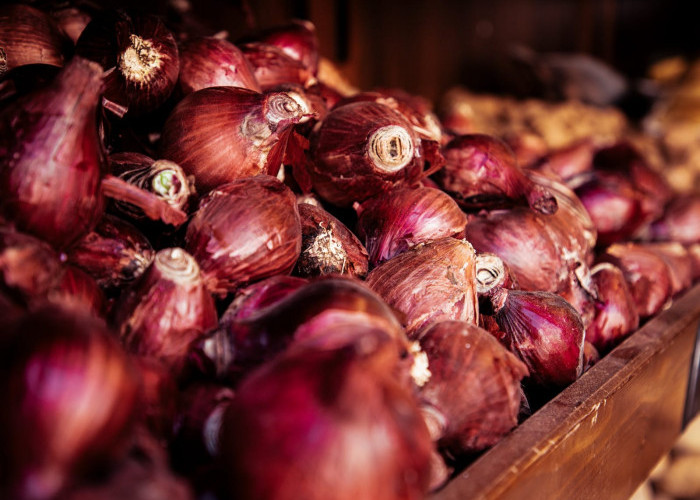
[390, 148]
[498, 297]
[490, 273]
[169, 183]
[178, 266]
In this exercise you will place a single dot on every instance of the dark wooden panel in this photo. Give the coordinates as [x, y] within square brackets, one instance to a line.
[602, 435]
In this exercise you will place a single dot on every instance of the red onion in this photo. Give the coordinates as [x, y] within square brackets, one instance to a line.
[77, 289]
[322, 423]
[158, 396]
[680, 221]
[51, 162]
[71, 20]
[482, 172]
[115, 253]
[212, 62]
[528, 147]
[328, 246]
[141, 54]
[616, 313]
[392, 223]
[544, 331]
[474, 385]
[679, 262]
[222, 134]
[261, 294]
[70, 394]
[362, 150]
[647, 276]
[244, 231]
[29, 36]
[166, 310]
[568, 162]
[297, 39]
[272, 66]
[432, 282]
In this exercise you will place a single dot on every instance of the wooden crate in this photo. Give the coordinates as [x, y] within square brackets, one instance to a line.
[602, 435]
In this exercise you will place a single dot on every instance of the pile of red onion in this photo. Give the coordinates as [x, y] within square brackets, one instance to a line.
[223, 275]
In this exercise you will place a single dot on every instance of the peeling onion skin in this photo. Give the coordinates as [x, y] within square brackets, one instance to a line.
[432, 282]
[616, 313]
[474, 383]
[647, 276]
[482, 171]
[328, 246]
[362, 150]
[166, 310]
[401, 219]
[244, 231]
[73, 393]
[545, 332]
[272, 66]
[51, 164]
[221, 134]
[298, 40]
[212, 62]
[358, 433]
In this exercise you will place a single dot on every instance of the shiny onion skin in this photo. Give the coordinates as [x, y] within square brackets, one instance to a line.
[166, 310]
[272, 66]
[362, 150]
[244, 231]
[357, 432]
[328, 246]
[482, 171]
[263, 293]
[221, 134]
[616, 312]
[51, 164]
[212, 62]
[71, 394]
[142, 55]
[680, 221]
[647, 276]
[432, 282]
[404, 217]
[297, 39]
[545, 332]
[29, 36]
[115, 253]
[474, 384]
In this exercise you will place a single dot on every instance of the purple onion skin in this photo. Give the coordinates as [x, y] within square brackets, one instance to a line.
[77, 289]
[647, 276]
[273, 67]
[357, 432]
[616, 312]
[297, 39]
[221, 134]
[245, 231]
[482, 172]
[392, 223]
[166, 310]
[328, 246]
[680, 221]
[432, 282]
[679, 262]
[545, 332]
[115, 253]
[212, 62]
[71, 394]
[345, 168]
[474, 383]
[51, 164]
[568, 162]
[262, 294]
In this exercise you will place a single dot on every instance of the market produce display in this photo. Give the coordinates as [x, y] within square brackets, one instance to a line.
[225, 273]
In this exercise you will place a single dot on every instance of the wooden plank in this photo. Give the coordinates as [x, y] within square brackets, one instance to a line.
[602, 435]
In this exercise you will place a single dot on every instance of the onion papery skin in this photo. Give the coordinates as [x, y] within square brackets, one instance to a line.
[357, 432]
[115, 253]
[545, 332]
[142, 54]
[362, 150]
[221, 134]
[401, 219]
[298, 40]
[679, 262]
[482, 171]
[166, 310]
[245, 231]
[211, 62]
[52, 163]
[432, 282]
[272, 66]
[474, 383]
[71, 394]
[680, 221]
[616, 312]
[30, 36]
[647, 276]
[569, 162]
